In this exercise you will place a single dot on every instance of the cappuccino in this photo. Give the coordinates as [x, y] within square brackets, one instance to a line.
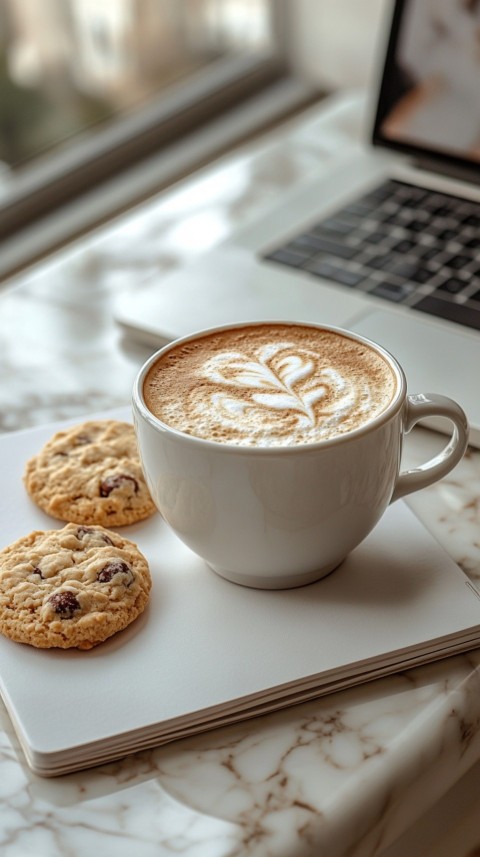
[269, 384]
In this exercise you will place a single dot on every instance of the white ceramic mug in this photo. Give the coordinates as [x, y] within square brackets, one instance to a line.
[279, 517]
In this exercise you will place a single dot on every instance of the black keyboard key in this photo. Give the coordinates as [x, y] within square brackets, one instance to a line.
[373, 237]
[457, 262]
[459, 313]
[441, 211]
[382, 192]
[330, 248]
[427, 253]
[410, 193]
[394, 264]
[404, 246]
[392, 291]
[324, 268]
[452, 286]
[416, 226]
[286, 257]
[446, 235]
[421, 275]
[472, 243]
[403, 268]
[307, 243]
[395, 219]
[336, 226]
[358, 209]
[472, 220]
[379, 262]
[407, 200]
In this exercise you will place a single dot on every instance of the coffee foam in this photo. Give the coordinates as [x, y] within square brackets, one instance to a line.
[269, 385]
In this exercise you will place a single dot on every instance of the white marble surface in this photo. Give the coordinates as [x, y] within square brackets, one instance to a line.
[346, 775]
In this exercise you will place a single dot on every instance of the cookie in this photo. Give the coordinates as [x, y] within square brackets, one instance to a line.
[71, 588]
[91, 474]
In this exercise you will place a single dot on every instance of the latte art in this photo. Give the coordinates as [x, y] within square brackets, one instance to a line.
[269, 385]
[284, 378]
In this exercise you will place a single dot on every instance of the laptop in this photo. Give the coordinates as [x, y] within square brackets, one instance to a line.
[386, 241]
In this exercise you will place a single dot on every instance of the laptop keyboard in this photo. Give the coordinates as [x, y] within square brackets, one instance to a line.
[402, 243]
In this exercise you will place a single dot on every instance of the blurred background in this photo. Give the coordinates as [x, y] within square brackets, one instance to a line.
[90, 89]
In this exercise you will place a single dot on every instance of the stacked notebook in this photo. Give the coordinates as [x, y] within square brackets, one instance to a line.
[207, 652]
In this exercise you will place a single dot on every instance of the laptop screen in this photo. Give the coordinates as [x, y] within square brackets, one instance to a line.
[429, 101]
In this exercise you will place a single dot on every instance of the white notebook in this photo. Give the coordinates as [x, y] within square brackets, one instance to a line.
[207, 652]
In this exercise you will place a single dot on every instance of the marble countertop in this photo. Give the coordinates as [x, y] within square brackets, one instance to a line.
[346, 775]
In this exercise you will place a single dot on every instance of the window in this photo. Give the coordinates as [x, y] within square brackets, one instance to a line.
[89, 87]
[105, 102]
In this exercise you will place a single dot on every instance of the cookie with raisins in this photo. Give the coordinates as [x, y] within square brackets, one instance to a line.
[91, 474]
[71, 588]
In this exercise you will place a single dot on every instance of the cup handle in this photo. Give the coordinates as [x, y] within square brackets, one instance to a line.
[419, 406]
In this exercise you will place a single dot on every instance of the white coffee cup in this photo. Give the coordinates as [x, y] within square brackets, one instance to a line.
[283, 516]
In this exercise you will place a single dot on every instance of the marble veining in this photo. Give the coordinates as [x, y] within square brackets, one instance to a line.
[343, 776]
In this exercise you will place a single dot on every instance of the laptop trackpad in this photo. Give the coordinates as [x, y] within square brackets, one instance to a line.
[436, 359]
